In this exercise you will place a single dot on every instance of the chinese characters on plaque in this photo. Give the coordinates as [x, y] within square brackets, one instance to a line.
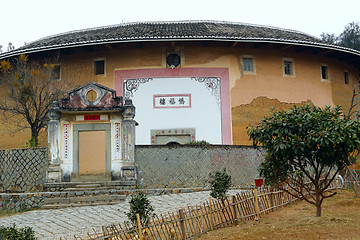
[66, 140]
[117, 137]
[172, 101]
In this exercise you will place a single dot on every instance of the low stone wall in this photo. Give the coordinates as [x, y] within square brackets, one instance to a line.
[184, 166]
[17, 202]
[23, 170]
[188, 166]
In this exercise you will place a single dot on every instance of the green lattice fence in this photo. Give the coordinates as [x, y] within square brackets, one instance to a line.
[22, 170]
[189, 166]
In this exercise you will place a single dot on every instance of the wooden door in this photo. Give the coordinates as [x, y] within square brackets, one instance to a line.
[92, 153]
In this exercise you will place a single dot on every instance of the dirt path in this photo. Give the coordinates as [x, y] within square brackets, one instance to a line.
[340, 220]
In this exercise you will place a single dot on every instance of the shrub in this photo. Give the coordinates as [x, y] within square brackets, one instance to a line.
[220, 182]
[141, 205]
[198, 142]
[13, 233]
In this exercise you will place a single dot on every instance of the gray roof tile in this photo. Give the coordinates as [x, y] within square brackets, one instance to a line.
[180, 30]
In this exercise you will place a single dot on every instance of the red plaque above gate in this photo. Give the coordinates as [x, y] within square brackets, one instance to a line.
[91, 117]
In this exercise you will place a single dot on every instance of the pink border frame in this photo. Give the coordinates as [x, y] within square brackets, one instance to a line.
[172, 95]
[223, 73]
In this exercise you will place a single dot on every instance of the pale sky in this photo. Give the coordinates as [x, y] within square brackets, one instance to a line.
[29, 20]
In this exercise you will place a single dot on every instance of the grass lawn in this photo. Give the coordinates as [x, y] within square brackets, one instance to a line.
[340, 220]
[5, 214]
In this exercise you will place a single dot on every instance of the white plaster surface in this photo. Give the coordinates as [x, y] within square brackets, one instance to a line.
[204, 115]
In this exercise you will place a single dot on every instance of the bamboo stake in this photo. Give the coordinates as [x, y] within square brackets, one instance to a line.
[234, 209]
[104, 232]
[257, 210]
[139, 225]
[355, 189]
[210, 213]
[172, 234]
[182, 225]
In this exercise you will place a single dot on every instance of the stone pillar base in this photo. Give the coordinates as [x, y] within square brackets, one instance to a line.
[53, 174]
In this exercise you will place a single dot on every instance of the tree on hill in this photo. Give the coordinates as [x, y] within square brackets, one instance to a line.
[306, 148]
[349, 38]
[30, 87]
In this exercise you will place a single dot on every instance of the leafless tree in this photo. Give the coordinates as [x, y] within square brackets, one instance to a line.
[30, 87]
[354, 110]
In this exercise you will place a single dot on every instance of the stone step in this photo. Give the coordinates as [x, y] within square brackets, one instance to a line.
[69, 205]
[74, 189]
[84, 186]
[90, 185]
[86, 199]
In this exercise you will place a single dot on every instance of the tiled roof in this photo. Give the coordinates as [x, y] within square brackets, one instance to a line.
[174, 31]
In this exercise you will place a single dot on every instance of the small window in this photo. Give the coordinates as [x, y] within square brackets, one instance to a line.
[99, 67]
[346, 77]
[173, 60]
[248, 64]
[288, 67]
[324, 73]
[56, 72]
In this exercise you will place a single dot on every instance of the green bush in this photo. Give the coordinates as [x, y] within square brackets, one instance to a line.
[13, 233]
[141, 205]
[199, 142]
[220, 182]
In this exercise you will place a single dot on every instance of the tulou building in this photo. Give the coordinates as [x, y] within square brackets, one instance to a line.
[193, 80]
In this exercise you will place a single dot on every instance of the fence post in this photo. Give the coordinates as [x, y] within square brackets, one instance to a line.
[210, 213]
[105, 233]
[257, 209]
[139, 226]
[182, 224]
[172, 234]
[355, 189]
[234, 209]
[289, 197]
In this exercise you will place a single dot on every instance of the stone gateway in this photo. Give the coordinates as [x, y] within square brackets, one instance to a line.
[91, 136]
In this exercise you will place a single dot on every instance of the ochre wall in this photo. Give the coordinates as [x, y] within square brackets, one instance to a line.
[251, 95]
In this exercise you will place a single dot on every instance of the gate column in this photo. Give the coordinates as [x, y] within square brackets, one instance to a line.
[128, 170]
[53, 173]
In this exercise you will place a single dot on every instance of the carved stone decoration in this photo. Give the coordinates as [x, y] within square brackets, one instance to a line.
[131, 85]
[91, 96]
[213, 84]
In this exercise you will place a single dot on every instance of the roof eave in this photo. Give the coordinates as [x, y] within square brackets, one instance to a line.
[186, 38]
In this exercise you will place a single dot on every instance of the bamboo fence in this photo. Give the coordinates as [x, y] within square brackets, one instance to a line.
[194, 221]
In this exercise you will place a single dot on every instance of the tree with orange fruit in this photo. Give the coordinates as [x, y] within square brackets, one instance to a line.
[30, 88]
[306, 148]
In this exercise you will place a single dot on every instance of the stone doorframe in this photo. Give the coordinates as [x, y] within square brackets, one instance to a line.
[91, 127]
[101, 110]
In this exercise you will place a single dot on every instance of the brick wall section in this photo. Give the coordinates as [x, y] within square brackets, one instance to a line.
[189, 166]
[23, 170]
